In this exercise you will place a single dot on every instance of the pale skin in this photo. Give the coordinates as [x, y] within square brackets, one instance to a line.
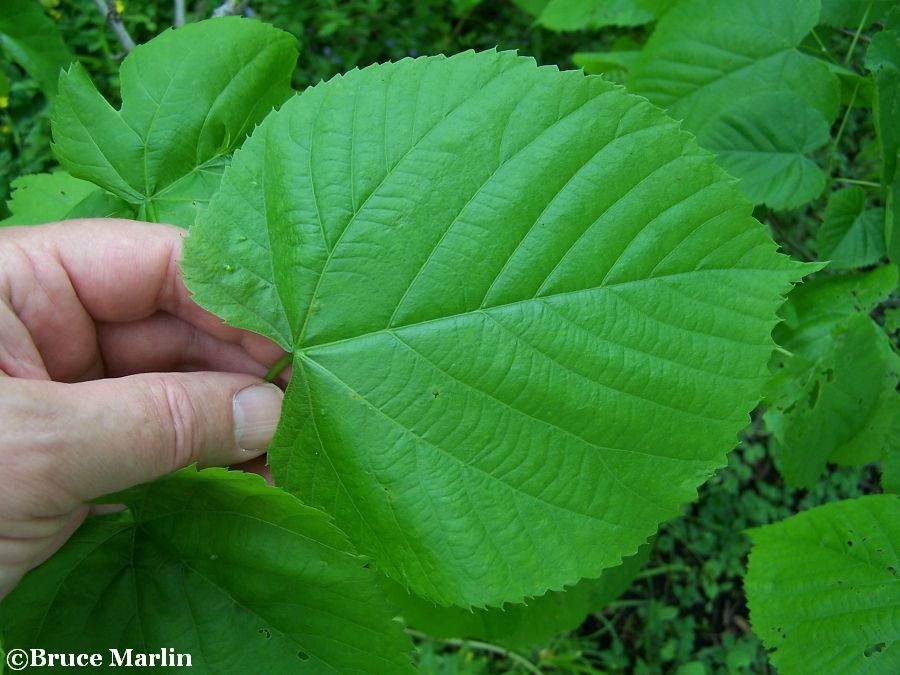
[110, 376]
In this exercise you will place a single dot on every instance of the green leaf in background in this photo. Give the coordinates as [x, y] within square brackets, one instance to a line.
[846, 407]
[766, 142]
[832, 395]
[45, 197]
[823, 588]
[189, 98]
[883, 59]
[31, 39]
[512, 294]
[572, 15]
[731, 70]
[853, 14]
[814, 309]
[851, 235]
[521, 626]
[565, 15]
[614, 63]
[219, 565]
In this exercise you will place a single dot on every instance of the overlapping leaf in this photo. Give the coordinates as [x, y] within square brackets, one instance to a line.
[823, 588]
[189, 97]
[513, 295]
[851, 235]
[217, 565]
[732, 72]
[45, 197]
[833, 397]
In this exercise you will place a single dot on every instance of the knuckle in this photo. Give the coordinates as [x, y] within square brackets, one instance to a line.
[176, 419]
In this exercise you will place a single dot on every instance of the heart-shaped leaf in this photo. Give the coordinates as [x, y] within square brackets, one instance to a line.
[528, 315]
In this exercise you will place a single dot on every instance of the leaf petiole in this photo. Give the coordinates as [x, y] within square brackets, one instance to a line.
[279, 366]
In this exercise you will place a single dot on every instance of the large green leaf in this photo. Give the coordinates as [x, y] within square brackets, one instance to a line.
[823, 589]
[731, 70]
[32, 41]
[44, 197]
[189, 97]
[218, 565]
[521, 626]
[513, 297]
[851, 235]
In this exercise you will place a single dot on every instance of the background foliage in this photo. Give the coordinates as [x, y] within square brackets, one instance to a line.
[809, 120]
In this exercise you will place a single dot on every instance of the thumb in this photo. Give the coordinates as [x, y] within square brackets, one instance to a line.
[117, 433]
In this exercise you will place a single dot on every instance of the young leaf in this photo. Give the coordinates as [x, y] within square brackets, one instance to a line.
[189, 97]
[512, 294]
[218, 565]
[45, 197]
[726, 69]
[823, 590]
[526, 625]
[31, 40]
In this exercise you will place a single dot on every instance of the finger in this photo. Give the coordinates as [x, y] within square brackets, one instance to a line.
[72, 442]
[259, 466]
[63, 277]
[19, 356]
[162, 342]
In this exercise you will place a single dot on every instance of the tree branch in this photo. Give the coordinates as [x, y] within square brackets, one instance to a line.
[230, 8]
[179, 14]
[114, 21]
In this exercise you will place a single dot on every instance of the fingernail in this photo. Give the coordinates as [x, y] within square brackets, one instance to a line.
[256, 413]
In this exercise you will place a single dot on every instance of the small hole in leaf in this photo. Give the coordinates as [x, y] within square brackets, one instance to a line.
[303, 656]
[849, 543]
[265, 632]
[891, 570]
[435, 393]
[874, 649]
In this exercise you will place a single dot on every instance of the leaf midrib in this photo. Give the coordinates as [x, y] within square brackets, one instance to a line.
[300, 351]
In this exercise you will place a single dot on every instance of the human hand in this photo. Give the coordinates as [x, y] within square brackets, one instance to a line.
[100, 389]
